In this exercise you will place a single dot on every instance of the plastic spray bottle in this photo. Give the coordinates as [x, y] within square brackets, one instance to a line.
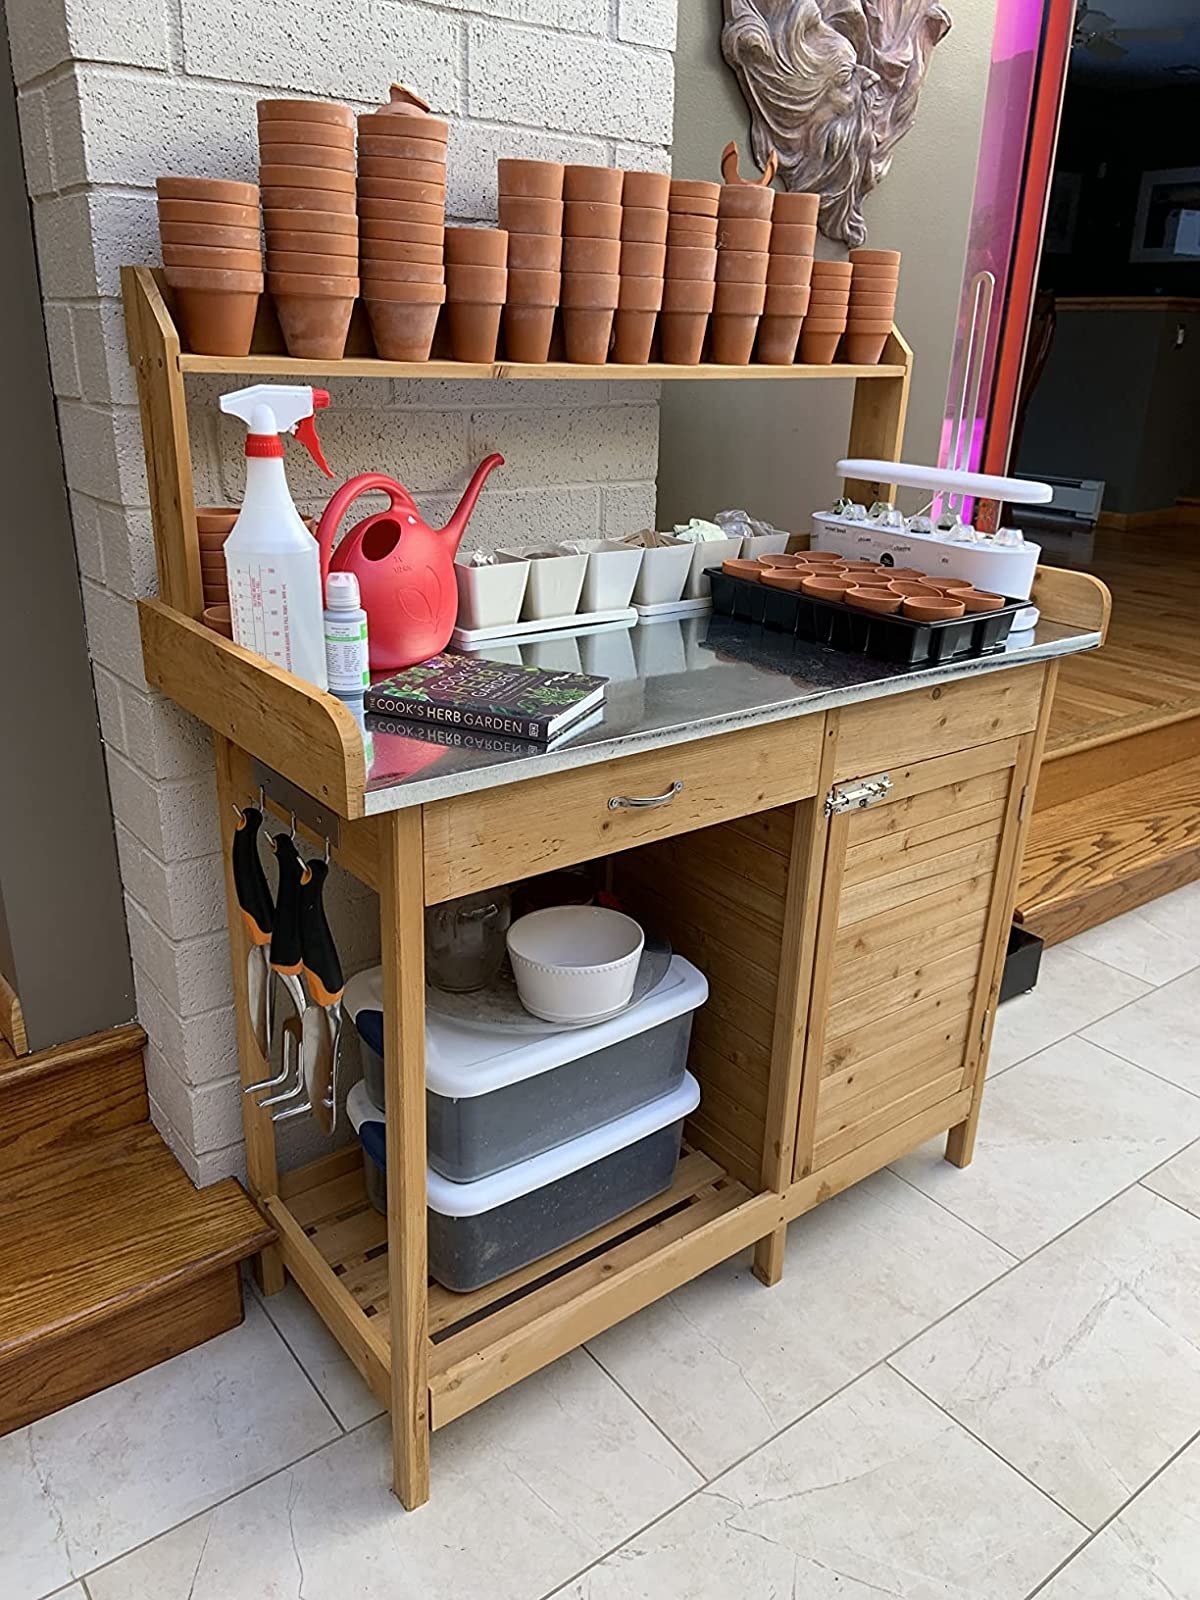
[272, 560]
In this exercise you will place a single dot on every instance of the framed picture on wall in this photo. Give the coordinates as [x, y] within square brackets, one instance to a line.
[1167, 225]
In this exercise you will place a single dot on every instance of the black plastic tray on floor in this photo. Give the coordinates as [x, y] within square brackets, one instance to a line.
[843, 627]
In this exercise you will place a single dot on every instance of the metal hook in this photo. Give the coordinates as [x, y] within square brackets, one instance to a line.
[293, 829]
[328, 850]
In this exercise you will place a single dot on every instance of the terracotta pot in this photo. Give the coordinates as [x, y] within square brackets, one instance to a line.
[321, 179]
[375, 233]
[682, 336]
[746, 201]
[400, 250]
[742, 569]
[977, 600]
[426, 294]
[870, 325]
[643, 260]
[535, 180]
[483, 286]
[822, 588]
[305, 111]
[528, 330]
[829, 297]
[585, 219]
[314, 325]
[815, 324]
[640, 294]
[294, 221]
[216, 519]
[208, 213]
[733, 338]
[419, 233]
[876, 258]
[739, 299]
[701, 210]
[796, 208]
[311, 284]
[642, 225]
[194, 233]
[520, 214]
[786, 300]
[868, 297]
[379, 186]
[790, 269]
[406, 111]
[309, 262]
[395, 211]
[474, 329]
[528, 287]
[289, 199]
[774, 579]
[198, 255]
[590, 291]
[942, 609]
[689, 294]
[601, 184]
[777, 340]
[220, 619]
[689, 195]
[403, 329]
[374, 272]
[592, 255]
[408, 211]
[482, 247]
[215, 279]
[743, 233]
[216, 322]
[791, 239]
[913, 588]
[402, 147]
[818, 349]
[320, 244]
[741, 266]
[881, 601]
[633, 335]
[649, 190]
[782, 558]
[687, 222]
[841, 270]
[293, 130]
[428, 165]
[587, 333]
[684, 262]
[535, 252]
[220, 191]
[324, 156]
[865, 270]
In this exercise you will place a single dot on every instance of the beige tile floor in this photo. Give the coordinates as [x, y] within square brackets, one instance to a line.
[979, 1385]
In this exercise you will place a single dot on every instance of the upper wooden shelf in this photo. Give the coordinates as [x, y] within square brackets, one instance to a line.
[276, 366]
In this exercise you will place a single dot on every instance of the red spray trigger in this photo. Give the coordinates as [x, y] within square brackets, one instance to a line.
[306, 432]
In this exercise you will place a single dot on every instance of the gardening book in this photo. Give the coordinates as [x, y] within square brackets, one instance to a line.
[464, 691]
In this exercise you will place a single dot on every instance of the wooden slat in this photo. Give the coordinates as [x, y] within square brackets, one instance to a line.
[924, 980]
[334, 1198]
[934, 809]
[856, 975]
[942, 1091]
[315, 1173]
[282, 367]
[58, 1099]
[877, 421]
[740, 1161]
[904, 924]
[862, 901]
[944, 1043]
[740, 975]
[12, 1018]
[882, 856]
[914, 727]
[709, 913]
[747, 1085]
[944, 1007]
[1076, 599]
[857, 1111]
[770, 828]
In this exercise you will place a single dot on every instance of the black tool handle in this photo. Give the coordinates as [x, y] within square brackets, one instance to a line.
[249, 879]
[322, 969]
[286, 953]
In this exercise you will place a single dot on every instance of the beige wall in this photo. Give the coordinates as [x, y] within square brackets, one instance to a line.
[771, 447]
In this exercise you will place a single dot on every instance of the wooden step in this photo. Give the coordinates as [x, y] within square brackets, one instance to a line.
[1114, 755]
[110, 1259]
[1096, 855]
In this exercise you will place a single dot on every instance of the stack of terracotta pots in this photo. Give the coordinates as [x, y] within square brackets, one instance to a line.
[644, 197]
[476, 286]
[212, 251]
[213, 526]
[531, 210]
[591, 279]
[691, 267]
[402, 215]
[873, 287]
[743, 248]
[306, 168]
[827, 310]
[789, 276]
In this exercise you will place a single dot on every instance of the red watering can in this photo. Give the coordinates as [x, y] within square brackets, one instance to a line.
[405, 568]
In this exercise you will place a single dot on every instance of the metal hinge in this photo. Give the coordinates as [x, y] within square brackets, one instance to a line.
[857, 793]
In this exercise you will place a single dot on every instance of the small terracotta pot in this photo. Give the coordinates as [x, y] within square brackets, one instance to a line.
[528, 287]
[403, 329]
[323, 156]
[592, 255]
[739, 299]
[841, 270]
[633, 335]
[873, 302]
[837, 298]
[215, 280]
[481, 286]
[777, 340]
[816, 324]
[288, 199]
[881, 601]
[199, 255]
[216, 322]
[866, 271]
[194, 233]
[786, 300]
[535, 252]
[220, 191]
[820, 558]
[426, 294]
[292, 221]
[400, 250]
[528, 330]
[305, 111]
[748, 201]
[796, 208]
[827, 588]
[689, 294]
[790, 270]
[940, 610]
[293, 130]
[741, 266]
[784, 558]
[818, 349]
[220, 619]
[868, 325]
[643, 260]
[951, 584]
[876, 258]
[408, 211]
[403, 147]
[590, 291]
[683, 262]
[535, 180]
[642, 225]
[291, 177]
[688, 222]
[735, 568]
[481, 247]
[374, 272]
[314, 325]
[602, 184]
[791, 239]
[978, 600]
[521, 214]
[308, 261]
[216, 519]
[913, 588]
[375, 186]
[776, 578]
[640, 294]
[212, 561]
[689, 195]
[404, 118]
[733, 338]
[587, 333]
[419, 233]
[682, 336]
[311, 284]
[650, 190]
[474, 329]
[743, 234]
[396, 211]
[586, 219]
[208, 213]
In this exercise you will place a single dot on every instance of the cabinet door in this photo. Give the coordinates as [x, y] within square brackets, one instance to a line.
[914, 903]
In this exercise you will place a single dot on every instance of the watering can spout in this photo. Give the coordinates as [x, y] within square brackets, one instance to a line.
[457, 525]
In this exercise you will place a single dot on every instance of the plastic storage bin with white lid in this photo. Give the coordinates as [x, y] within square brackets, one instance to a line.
[494, 1099]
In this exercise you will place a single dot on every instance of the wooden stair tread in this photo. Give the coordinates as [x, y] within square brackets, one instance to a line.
[88, 1232]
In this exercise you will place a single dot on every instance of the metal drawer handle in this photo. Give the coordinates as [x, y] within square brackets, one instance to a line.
[643, 802]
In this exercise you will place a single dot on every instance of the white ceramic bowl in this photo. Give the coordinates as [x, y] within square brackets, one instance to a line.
[575, 963]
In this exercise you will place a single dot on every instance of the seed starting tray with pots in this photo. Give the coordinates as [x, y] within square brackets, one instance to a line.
[844, 627]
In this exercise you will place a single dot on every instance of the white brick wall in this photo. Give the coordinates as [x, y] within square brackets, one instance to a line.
[110, 96]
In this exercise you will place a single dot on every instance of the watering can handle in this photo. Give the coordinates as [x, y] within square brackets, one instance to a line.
[367, 483]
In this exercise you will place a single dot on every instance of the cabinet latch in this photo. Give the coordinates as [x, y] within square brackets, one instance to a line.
[857, 793]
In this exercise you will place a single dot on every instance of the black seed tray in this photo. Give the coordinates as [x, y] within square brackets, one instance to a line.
[828, 622]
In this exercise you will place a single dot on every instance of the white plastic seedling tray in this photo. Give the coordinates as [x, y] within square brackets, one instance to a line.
[542, 628]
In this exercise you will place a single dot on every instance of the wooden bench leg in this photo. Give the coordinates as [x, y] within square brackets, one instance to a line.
[768, 1257]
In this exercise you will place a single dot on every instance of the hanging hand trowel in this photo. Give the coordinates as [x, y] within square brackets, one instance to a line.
[322, 1020]
[254, 898]
[286, 964]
